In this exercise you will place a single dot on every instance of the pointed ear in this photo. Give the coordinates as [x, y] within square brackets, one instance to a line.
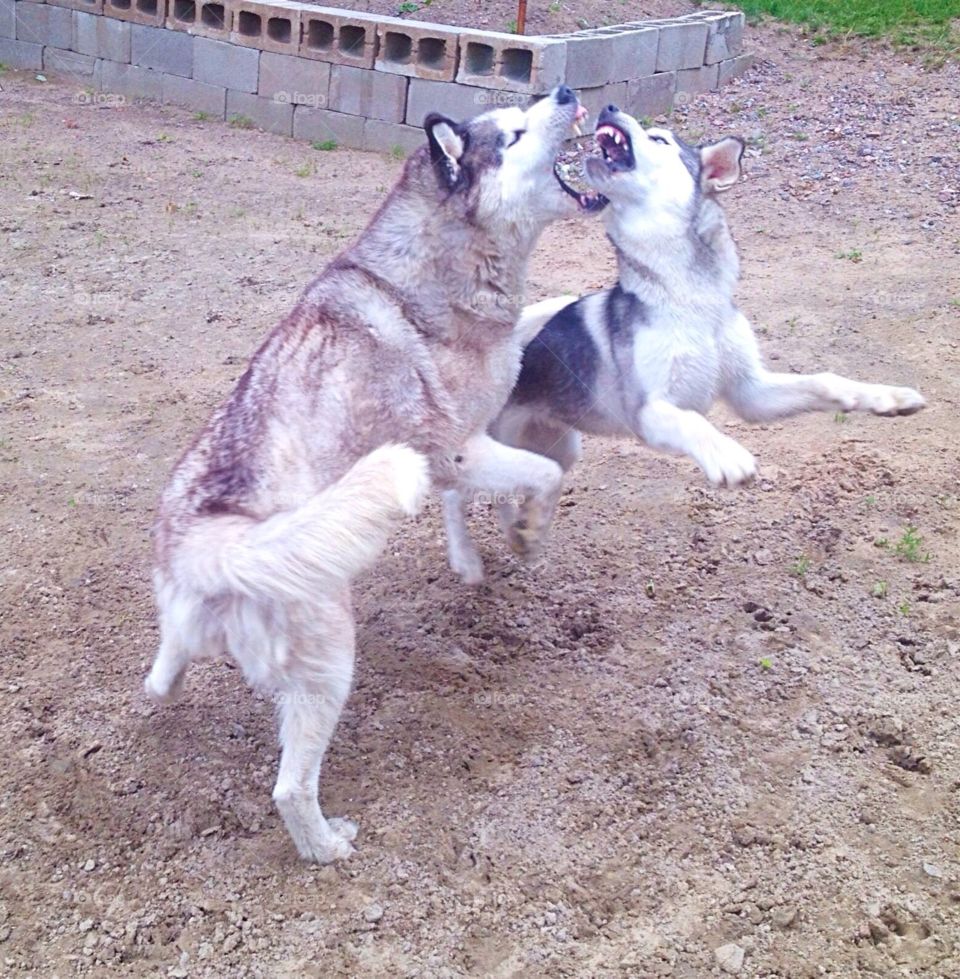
[447, 144]
[720, 164]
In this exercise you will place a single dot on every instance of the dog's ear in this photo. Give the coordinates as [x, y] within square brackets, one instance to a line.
[720, 164]
[447, 144]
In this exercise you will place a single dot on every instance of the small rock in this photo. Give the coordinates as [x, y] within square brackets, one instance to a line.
[231, 942]
[85, 925]
[785, 917]
[373, 913]
[89, 865]
[932, 870]
[730, 957]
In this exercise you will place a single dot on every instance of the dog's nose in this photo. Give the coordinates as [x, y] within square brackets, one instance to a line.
[565, 95]
[613, 109]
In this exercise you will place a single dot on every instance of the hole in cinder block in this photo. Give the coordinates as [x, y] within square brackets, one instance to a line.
[319, 35]
[517, 64]
[249, 24]
[352, 40]
[479, 58]
[184, 11]
[213, 15]
[397, 48]
[279, 29]
[148, 7]
[432, 52]
[120, 4]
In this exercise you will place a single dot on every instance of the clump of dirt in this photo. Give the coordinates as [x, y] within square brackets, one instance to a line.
[710, 730]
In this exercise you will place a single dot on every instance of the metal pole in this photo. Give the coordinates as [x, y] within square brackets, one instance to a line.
[522, 17]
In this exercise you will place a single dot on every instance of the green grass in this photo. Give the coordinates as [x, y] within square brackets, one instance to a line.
[909, 22]
[325, 145]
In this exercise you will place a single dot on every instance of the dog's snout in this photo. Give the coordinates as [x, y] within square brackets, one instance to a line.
[564, 95]
[613, 109]
[607, 113]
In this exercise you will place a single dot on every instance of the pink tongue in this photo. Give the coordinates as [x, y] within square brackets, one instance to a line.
[582, 113]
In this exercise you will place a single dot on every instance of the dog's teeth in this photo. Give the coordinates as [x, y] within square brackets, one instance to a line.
[577, 130]
[617, 138]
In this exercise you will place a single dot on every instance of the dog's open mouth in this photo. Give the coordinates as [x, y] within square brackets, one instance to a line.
[616, 148]
[588, 200]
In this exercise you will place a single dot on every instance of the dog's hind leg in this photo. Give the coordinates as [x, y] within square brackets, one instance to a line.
[187, 632]
[509, 473]
[547, 438]
[464, 557]
[310, 701]
[758, 395]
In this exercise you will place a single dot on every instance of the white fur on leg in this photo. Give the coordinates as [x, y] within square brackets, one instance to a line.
[464, 558]
[724, 461]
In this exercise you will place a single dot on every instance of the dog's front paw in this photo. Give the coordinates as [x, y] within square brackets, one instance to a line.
[524, 540]
[337, 844]
[884, 400]
[727, 463]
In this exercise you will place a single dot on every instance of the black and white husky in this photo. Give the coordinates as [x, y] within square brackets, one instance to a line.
[648, 357]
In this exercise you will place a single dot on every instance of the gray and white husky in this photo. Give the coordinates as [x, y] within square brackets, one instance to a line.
[648, 357]
[386, 374]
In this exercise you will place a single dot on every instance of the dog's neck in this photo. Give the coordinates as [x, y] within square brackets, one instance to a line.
[675, 259]
[454, 275]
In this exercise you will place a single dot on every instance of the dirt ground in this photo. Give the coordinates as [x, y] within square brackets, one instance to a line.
[706, 718]
[543, 17]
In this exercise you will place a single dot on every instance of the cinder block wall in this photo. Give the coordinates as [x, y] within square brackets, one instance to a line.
[360, 80]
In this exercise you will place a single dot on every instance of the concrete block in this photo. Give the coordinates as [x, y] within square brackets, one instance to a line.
[61, 62]
[587, 60]
[627, 52]
[162, 50]
[274, 117]
[456, 101]
[595, 99]
[725, 37]
[90, 6]
[734, 67]
[20, 54]
[417, 50]
[337, 36]
[651, 96]
[101, 37]
[131, 81]
[211, 99]
[372, 94]
[682, 45]
[8, 18]
[149, 12]
[693, 81]
[269, 27]
[391, 137]
[221, 63]
[323, 125]
[512, 62]
[295, 81]
[205, 18]
[45, 24]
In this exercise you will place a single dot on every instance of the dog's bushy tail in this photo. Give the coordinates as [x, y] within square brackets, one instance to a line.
[299, 553]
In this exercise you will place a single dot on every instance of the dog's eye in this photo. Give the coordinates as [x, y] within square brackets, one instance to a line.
[659, 139]
[517, 133]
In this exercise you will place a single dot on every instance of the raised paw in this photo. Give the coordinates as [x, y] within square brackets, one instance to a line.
[524, 541]
[726, 462]
[884, 400]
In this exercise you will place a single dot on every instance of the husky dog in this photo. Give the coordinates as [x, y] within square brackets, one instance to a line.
[383, 377]
[648, 357]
